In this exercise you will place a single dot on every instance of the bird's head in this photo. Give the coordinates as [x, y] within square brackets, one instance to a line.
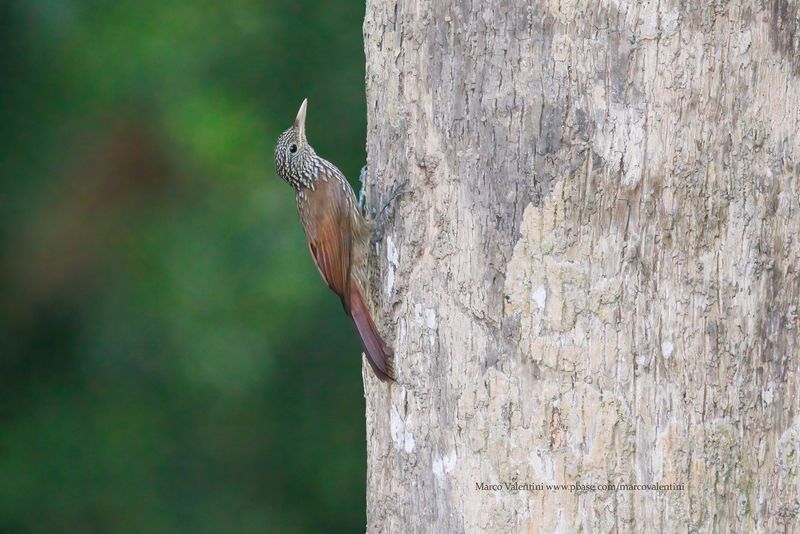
[293, 155]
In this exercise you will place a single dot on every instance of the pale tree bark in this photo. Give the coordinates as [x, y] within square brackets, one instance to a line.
[594, 277]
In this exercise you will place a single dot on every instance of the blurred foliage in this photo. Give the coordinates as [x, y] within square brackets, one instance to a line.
[171, 360]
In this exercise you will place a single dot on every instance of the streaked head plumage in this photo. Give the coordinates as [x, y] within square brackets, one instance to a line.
[294, 157]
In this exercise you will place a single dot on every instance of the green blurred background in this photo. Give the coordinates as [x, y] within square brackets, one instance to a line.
[170, 359]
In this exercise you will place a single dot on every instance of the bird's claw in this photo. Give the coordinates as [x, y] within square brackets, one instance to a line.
[379, 216]
[399, 190]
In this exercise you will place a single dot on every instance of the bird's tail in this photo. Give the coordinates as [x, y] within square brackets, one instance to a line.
[379, 356]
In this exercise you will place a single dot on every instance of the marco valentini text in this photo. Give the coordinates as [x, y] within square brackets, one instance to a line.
[572, 488]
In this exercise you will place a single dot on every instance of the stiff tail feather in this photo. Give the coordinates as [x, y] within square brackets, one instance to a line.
[379, 356]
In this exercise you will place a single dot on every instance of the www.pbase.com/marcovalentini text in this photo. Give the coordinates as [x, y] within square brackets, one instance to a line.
[537, 486]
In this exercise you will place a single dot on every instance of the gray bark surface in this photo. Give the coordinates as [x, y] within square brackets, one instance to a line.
[594, 279]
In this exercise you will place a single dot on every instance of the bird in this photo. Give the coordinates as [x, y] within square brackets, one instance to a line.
[338, 234]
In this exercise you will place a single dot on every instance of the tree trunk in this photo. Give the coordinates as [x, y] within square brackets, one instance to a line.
[594, 278]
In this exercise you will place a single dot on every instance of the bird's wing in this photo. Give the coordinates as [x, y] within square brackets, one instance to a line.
[328, 221]
[330, 243]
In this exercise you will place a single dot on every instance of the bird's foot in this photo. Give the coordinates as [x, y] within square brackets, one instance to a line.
[399, 190]
[379, 217]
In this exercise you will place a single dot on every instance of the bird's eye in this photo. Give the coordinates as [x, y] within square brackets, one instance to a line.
[292, 148]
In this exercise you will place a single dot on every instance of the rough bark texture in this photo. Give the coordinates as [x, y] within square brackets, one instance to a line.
[595, 277]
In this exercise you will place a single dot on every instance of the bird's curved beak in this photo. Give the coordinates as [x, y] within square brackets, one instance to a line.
[300, 121]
